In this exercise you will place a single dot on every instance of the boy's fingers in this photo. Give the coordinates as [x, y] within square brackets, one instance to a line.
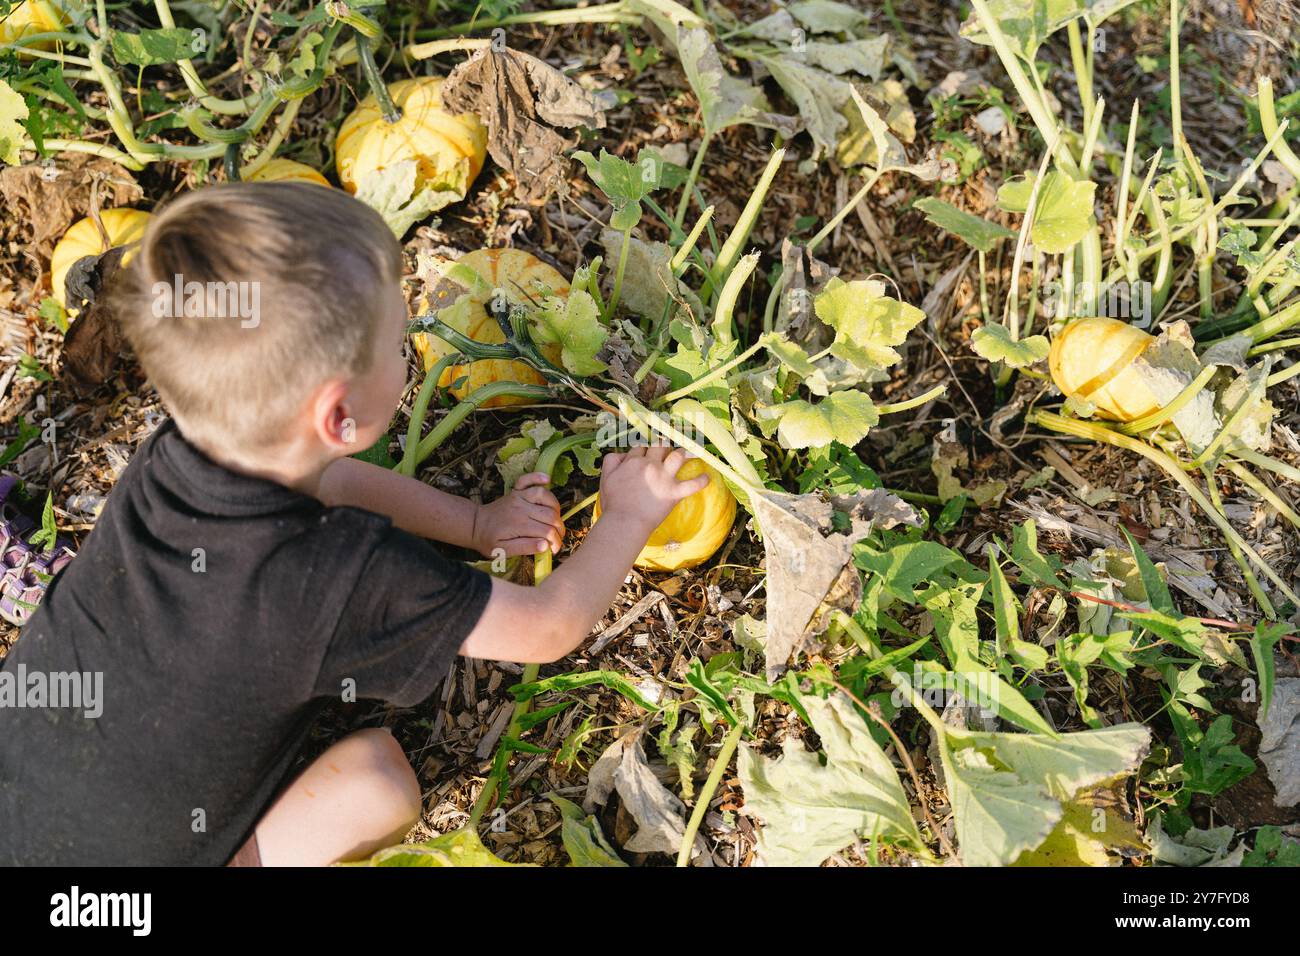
[674, 460]
[533, 479]
[611, 461]
[546, 515]
[543, 497]
[685, 489]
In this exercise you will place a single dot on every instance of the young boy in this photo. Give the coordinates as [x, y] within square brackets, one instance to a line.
[246, 571]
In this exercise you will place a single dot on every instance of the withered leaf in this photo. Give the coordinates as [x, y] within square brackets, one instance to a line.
[93, 347]
[49, 197]
[808, 573]
[524, 103]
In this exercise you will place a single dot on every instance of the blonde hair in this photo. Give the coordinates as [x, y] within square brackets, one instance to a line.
[244, 298]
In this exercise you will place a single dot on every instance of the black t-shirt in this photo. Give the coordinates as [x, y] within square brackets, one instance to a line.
[222, 612]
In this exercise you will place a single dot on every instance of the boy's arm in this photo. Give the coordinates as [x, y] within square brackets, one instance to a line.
[523, 522]
[544, 623]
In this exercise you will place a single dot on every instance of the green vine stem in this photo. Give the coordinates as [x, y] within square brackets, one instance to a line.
[731, 249]
[688, 245]
[473, 400]
[720, 764]
[1093, 432]
[1252, 582]
[908, 404]
[375, 80]
[709, 377]
[196, 86]
[497, 776]
[420, 411]
[691, 177]
[601, 13]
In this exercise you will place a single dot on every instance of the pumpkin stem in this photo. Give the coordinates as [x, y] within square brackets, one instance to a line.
[375, 80]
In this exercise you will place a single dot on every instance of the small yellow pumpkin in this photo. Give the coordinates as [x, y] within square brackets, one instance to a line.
[513, 272]
[33, 16]
[1092, 359]
[445, 147]
[286, 171]
[123, 226]
[694, 529]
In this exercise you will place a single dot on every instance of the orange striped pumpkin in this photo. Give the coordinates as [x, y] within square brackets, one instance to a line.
[286, 171]
[444, 146]
[1092, 359]
[518, 276]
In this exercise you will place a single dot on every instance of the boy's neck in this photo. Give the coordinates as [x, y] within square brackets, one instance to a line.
[288, 466]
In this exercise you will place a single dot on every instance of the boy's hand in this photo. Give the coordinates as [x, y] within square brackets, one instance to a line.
[526, 521]
[641, 484]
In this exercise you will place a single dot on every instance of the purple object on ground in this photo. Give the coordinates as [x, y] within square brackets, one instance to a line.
[25, 570]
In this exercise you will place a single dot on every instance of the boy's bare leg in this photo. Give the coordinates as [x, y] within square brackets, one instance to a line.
[357, 797]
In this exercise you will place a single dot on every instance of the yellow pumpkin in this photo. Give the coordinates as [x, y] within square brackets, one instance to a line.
[33, 16]
[286, 171]
[446, 148]
[1092, 359]
[513, 272]
[124, 226]
[694, 529]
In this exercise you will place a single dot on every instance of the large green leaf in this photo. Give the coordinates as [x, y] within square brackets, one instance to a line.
[13, 110]
[843, 417]
[810, 811]
[867, 323]
[1008, 790]
[573, 323]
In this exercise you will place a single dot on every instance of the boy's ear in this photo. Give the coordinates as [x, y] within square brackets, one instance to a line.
[332, 416]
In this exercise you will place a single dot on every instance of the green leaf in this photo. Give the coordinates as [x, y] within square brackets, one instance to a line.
[995, 343]
[1026, 556]
[45, 536]
[1063, 213]
[566, 682]
[1272, 849]
[904, 566]
[1267, 634]
[13, 110]
[457, 848]
[377, 454]
[867, 323]
[1008, 790]
[1153, 583]
[810, 811]
[977, 233]
[583, 840]
[1212, 761]
[152, 47]
[843, 417]
[572, 322]
[621, 181]
[838, 469]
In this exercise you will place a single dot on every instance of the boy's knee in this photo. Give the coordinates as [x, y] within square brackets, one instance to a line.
[385, 772]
